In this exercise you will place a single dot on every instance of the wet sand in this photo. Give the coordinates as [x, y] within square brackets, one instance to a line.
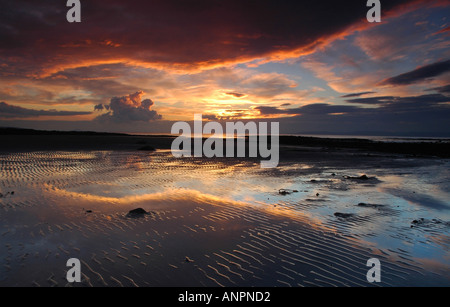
[223, 222]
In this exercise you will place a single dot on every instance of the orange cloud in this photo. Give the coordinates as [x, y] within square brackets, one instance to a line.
[174, 34]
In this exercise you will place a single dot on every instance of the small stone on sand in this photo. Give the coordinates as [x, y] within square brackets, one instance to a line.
[343, 215]
[138, 211]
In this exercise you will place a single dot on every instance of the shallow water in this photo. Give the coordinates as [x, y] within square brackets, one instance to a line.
[403, 219]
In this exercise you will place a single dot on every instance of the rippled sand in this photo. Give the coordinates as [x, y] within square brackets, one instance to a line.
[219, 222]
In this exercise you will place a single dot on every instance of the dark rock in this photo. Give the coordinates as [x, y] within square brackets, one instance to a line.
[7, 194]
[370, 205]
[286, 192]
[317, 194]
[139, 212]
[343, 215]
[419, 221]
[283, 192]
[429, 223]
[88, 211]
[362, 177]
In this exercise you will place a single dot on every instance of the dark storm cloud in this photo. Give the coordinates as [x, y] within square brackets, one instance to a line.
[36, 38]
[266, 110]
[385, 105]
[317, 108]
[99, 107]
[441, 89]
[357, 94]
[129, 108]
[423, 115]
[100, 80]
[373, 100]
[211, 117]
[419, 101]
[9, 111]
[419, 74]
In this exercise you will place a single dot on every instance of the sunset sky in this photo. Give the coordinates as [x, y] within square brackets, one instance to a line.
[314, 66]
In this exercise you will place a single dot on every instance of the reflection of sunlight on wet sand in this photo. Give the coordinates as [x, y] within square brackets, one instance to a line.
[207, 200]
[180, 196]
[432, 265]
[104, 199]
[244, 183]
[417, 193]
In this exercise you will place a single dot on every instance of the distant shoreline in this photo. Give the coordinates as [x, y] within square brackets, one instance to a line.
[20, 131]
[27, 131]
[16, 139]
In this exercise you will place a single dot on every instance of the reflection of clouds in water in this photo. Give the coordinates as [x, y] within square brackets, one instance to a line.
[425, 187]
[419, 199]
[131, 179]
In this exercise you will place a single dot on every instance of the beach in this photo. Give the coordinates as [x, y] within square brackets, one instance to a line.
[315, 220]
[236, 145]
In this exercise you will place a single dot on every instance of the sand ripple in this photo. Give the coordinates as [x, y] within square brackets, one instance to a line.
[212, 224]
